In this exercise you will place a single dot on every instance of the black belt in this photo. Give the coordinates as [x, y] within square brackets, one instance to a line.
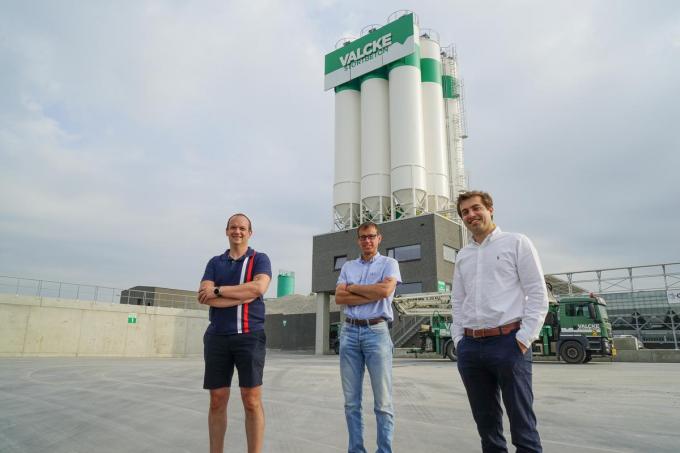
[364, 322]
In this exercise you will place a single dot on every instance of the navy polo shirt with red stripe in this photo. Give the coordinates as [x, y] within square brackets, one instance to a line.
[226, 271]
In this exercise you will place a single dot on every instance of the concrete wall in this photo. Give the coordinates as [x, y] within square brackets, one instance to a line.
[34, 326]
[649, 355]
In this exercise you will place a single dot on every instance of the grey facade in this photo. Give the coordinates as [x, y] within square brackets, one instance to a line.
[292, 332]
[431, 232]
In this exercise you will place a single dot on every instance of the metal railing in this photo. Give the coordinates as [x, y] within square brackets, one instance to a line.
[640, 298]
[29, 287]
[664, 277]
[407, 328]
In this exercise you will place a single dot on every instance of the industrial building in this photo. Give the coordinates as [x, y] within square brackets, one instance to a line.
[160, 297]
[399, 162]
[399, 131]
[425, 247]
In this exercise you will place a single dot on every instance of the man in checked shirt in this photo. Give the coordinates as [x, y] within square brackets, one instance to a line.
[499, 303]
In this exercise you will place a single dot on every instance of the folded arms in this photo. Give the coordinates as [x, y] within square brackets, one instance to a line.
[231, 296]
[354, 294]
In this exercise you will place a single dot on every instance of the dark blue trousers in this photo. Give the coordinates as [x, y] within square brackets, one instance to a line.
[495, 366]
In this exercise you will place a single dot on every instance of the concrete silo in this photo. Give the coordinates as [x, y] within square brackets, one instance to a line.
[438, 190]
[407, 155]
[398, 124]
[346, 189]
[375, 147]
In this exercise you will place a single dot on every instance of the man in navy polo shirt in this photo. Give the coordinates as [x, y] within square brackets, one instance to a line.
[366, 288]
[233, 285]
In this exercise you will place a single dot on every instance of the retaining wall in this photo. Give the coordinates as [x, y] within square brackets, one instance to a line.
[42, 326]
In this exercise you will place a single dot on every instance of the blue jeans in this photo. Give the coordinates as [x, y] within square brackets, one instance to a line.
[490, 367]
[367, 347]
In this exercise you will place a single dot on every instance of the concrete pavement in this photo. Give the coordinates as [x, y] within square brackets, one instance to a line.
[157, 405]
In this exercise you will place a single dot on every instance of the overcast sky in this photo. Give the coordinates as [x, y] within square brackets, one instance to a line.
[129, 131]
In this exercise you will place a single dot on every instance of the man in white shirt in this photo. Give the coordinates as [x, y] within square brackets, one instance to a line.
[499, 303]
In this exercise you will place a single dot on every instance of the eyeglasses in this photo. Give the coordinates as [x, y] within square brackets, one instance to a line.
[364, 237]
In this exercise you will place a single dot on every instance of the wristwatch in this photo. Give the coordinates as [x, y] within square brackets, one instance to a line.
[216, 291]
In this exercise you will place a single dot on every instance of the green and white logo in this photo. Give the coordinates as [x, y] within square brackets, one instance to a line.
[372, 51]
[592, 329]
[132, 318]
[378, 46]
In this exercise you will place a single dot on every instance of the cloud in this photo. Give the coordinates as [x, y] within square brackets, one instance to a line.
[135, 125]
[129, 132]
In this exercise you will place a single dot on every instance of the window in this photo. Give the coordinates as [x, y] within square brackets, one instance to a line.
[405, 253]
[577, 310]
[450, 254]
[409, 288]
[338, 261]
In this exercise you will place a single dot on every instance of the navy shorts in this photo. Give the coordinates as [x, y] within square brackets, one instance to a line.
[246, 351]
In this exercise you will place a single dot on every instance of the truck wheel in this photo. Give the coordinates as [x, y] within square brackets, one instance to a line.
[572, 352]
[451, 351]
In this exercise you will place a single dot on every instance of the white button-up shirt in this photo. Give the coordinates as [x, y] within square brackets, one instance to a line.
[498, 282]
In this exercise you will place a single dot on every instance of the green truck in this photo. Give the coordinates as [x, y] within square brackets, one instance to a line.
[435, 336]
[576, 328]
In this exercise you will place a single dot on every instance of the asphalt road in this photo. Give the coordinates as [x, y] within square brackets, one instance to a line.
[157, 405]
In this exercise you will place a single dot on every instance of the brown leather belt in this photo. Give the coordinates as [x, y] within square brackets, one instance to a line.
[493, 331]
[364, 322]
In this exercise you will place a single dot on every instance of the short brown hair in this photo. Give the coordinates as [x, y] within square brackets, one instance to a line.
[487, 201]
[368, 224]
[250, 224]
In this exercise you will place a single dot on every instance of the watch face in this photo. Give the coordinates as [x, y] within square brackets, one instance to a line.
[216, 291]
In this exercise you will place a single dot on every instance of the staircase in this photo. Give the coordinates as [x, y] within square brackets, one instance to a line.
[405, 328]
